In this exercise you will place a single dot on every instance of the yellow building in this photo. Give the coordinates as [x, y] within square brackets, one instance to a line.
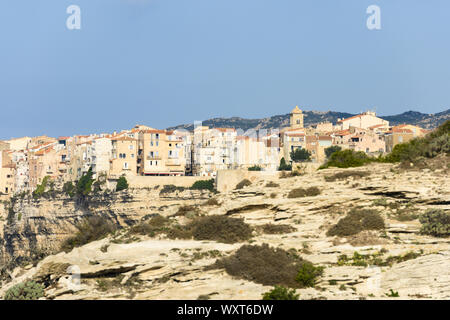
[124, 157]
[161, 153]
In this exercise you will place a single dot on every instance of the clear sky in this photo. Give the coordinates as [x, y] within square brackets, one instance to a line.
[167, 62]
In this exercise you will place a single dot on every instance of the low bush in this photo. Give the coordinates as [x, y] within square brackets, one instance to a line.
[188, 211]
[220, 228]
[346, 159]
[217, 228]
[265, 265]
[270, 228]
[170, 188]
[243, 183]
[90, 229]
[272, 184]
[255, 168]
[29, 290]
[435, 222]
[301, 192]
[346, 174]
[308, 274]
[212, 202]
[203, 185]
[155, 225]
[280, 293]
[356, 221]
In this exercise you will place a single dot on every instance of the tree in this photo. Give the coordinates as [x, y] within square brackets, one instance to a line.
[84, 185]
[300, 155]
[330, 150]
[284, 166]
[122, 184]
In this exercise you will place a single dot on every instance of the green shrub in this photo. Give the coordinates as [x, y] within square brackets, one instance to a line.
[204, 185]
[356, 221]
[300, 192]
[40, 188]
[280, 293]
[284, 166]
[69, 188]
[90, 229]
[84, 185]
[28, 290]
[436, 142]
[255, 168]
[392, 294]
[300, 155]
[346, 159]
[435, 222]
[122, 184]
[243, 183]
[330, 150]
[308, 274]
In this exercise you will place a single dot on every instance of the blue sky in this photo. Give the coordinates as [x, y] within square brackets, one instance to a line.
[167, 62]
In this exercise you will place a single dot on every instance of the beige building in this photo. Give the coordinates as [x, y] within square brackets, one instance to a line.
[396, 136]
[124, 154]
[161, 153]
[7, 173]
[364, 120]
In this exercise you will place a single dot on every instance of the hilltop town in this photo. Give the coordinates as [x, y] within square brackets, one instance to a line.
[222, 214]
[144, 151]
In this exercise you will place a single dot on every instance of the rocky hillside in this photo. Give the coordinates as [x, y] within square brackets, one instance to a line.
[427, 121]
[188, 245]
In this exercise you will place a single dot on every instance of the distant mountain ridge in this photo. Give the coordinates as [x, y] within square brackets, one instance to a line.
[426, 121]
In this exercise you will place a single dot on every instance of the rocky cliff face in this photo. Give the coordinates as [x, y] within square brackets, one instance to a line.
[155, 266]
[32, 228]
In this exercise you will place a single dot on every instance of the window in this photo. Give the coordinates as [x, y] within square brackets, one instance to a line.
[298, 121]
[125, 165]
[151, 143]
[131, 147]
[132, 155]
[157, 143]
[156, 163]
[150, 163]
[400, 139]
